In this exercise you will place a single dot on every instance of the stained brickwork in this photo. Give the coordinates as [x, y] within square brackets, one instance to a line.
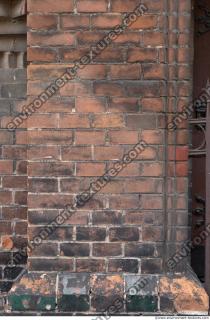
[127, 93]
[86, 127]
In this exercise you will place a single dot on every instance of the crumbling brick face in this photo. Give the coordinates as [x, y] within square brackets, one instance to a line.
[121, 97]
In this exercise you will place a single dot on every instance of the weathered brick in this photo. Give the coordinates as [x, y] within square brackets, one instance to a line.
[92, 5]
[142, 55]
[44, 22]
[50, 169]
[90, 137]
[90, 169]
[43, 185]
[107, 249]
[139, 250]
[90, 105]
[125, 71]
[90, 234]
[107, 217]
[123, 137]
[90, 265]
[124, 234]
[41, 54]
[56, 39]
[50, 6]
[108, 121]
[105, 21]
[75, 249]
[123, 265]
[72, 21]
[41, 264]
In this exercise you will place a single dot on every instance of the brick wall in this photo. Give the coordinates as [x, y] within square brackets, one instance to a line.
[126, 94]
[118, 99]
[13, 178]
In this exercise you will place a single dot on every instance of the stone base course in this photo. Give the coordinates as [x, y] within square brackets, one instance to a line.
[97, 294]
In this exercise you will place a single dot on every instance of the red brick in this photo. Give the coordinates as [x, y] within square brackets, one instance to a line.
[55, 201]
[72, 54]
[108, 121]
[125, 72]
[89, 37]
[6, 166]
[42, 121]
[153, 39]
[142, 55]
[92, 5]
[90, 105]
[21, 227]
[128, 38]
[14, 212]
[76, 89]
[55, 39]
[152, 136]
[108, 153]
[124, 5]
[123, 265]
[145, 22]
[93, 72]
[5, 227]
[50, 169]
[72, 21]
[110, 55]
[124, 234]
[123, 137]
[38, 22]
[47, 265]
[76, 153]
[152, 104]
[21, 167]
[14, 182]
[106, 217]
[90, 137]
[182, 153]
[14, 152]
[182, 169]
[106, 21]
[152, 169]
[90, 169]
[6, 137]
[152, 233]
[151, 202]
[132, 170]
[45, 71]
[41, 54]
[5, 197]
[74, 121]
[154, 71]
[124, 202]
[90, 265]
[141, 186]
[54, 137]
[113, 187]
[107, 249]
[128, 105]
[50, 6]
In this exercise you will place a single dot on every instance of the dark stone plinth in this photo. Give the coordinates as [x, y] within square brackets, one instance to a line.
[74, 292]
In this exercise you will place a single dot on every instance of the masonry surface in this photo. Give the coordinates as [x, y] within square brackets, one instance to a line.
[126, 94]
